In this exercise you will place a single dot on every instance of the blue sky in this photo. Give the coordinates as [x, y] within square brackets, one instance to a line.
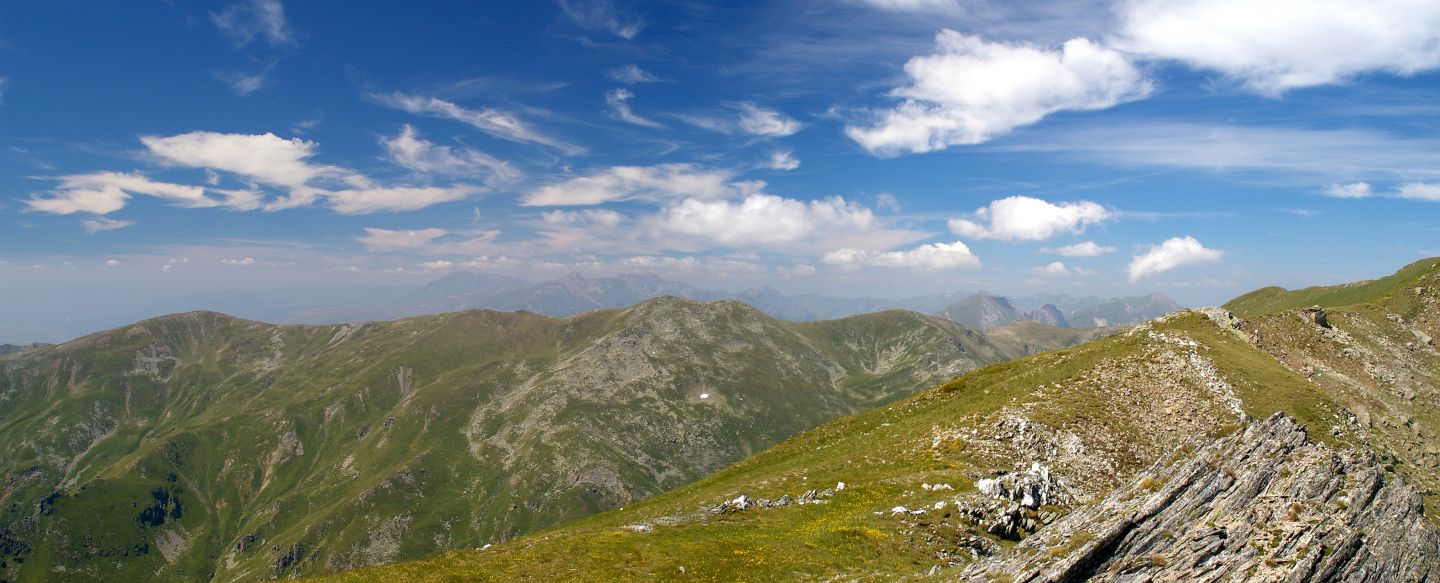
[152, 149]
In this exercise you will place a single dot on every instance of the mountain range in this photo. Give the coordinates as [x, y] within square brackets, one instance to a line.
[574, 294]
[1288, 436]
[982, 311]
[565, 296]
[201, 446]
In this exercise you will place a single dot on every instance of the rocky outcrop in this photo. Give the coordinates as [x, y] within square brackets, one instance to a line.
[1263, 504]
[1048, 315]
[1315, 315]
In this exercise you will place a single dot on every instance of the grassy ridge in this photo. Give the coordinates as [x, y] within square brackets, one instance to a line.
[1275, 299]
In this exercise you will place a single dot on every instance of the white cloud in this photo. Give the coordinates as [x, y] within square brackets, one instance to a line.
[970, 91]
[761, 121]
[244, 84]
[112, 263]
[497, 123]
[245, 261]
[411, 151]
[632, 74]
[438, 264]
[1059, 269]
[798, 270]
[763, 219]
[1339, 155]
[604, 16]
[931, 257]
[1351, 190]
[99, 201]
[619, 102]
[601, 217]
[99, 224]
[782, 160]
[1273, 46]
[887, 202]
[1084, 249]
[1174, 252]
[248, 20]
[102, 193]
[1022, 218]
[264, 158]
[360, 201]
[1421, 191]
[654, 183]
[376, 239]
[947, 7]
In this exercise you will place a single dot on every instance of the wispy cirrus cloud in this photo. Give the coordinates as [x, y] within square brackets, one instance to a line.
[603, 15]
[619, 102]
[632, 74]
[653, 183]
[101, 224]
[409, 150]
[500, 124]
[1302, 154]
[248, 21]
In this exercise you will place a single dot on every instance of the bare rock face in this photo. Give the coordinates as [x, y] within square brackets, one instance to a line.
[1315, 315]
[1049, 315]
[1263, 504]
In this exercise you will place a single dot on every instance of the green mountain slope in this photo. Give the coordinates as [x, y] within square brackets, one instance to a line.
[1138, 455]
[204, 447]
[1274, 299]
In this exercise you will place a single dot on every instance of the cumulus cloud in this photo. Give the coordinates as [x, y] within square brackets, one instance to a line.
[438, 264]
[112, 263]
[265, 158]
[653, 183]
[245, 261]
[931, 257]
[250, 20]
[619, 102]
[1421, 191]
[503, 125]
[1059, 269]
[1351, 190]
[760, 121]
[1274, 46]
[631, 74]
[102, 193]
[1023, 218]
[1083, 249]
[763, 219]
[99, 224]
[376, 239]
[971, 90]
[1174, 252]
[411, 151]
[782, 160]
